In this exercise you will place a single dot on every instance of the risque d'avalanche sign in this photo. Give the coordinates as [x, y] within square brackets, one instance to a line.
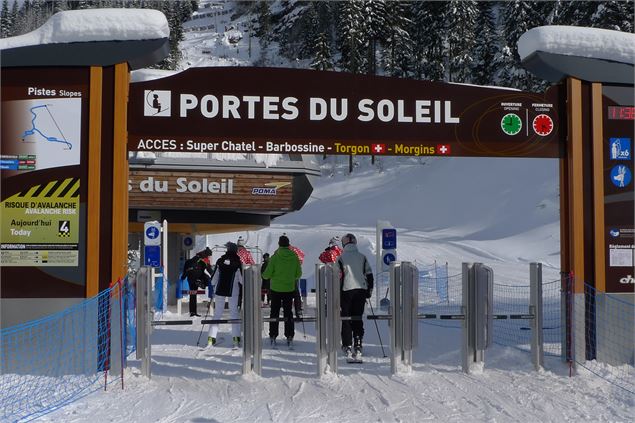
[262, 110]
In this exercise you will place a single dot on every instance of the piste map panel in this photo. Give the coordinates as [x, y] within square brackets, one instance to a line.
[268, 110]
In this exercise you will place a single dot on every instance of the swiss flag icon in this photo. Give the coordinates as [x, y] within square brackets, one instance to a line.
[378, 148]
[443, 149]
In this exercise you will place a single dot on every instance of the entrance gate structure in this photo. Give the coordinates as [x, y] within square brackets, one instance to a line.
[477, 316]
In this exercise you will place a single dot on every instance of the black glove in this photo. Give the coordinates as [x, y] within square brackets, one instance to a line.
[369, 293]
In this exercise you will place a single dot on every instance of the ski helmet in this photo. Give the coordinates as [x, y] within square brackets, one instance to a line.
[348, 239]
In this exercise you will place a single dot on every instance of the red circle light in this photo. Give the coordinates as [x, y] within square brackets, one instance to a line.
[543, 125]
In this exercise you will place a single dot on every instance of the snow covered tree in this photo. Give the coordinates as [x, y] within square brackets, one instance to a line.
[397, 54]
[13, 17]
[376, 28]
[429, 27]
[264, 22]
[518, 17]
[5, 19]
[486, 45]
[322, 60]
[171, 10]
[615, 15]
[461, 22]
[576, 13]
[352, 37]
[311, 34]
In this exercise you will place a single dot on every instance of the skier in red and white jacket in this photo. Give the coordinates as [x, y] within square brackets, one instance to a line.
[331, 253]
[243, 253]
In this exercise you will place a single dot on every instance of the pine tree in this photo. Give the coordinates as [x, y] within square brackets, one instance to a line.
[376, 29]
[5, 23]
[264, 22]
[352, 40]
[429, 54]
[13, 17]
[311, 34]
[518, 17]
[576, 13]
[461, 22]
[171, 10]
[398, 48]
[486, 45]
[322, 60]
[615, 15]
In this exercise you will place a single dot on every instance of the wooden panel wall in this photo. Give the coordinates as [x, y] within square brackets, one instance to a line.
[241, 198]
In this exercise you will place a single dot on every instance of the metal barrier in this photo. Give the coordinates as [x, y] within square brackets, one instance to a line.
[252, 318]
[476, 315]
[328, 330]
[404, 292]
[144, 318]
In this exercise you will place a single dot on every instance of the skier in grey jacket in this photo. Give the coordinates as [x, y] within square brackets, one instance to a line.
[357, 284]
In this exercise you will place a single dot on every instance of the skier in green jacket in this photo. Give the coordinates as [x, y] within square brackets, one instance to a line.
[283, 270]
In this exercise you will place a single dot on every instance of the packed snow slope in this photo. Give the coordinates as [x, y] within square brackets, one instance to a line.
[499, 212]
[451, 210]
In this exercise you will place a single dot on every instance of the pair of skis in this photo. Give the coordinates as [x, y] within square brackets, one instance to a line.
[354, 359]
[290, 346]
[219, 342]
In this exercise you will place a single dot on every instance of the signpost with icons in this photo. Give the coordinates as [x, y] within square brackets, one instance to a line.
[617, 196]
[187, 242]
[152, 244]
[387, 257]
[389, 247]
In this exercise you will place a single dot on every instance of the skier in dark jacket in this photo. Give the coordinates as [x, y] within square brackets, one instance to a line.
[283, 270]
[195, 270]
[357, 285]
[227, 279]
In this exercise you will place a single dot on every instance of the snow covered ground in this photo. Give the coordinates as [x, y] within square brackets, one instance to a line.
[502, 212]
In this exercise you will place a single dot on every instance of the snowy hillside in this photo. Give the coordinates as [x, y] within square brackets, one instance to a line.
[499, 212]
[502, 211]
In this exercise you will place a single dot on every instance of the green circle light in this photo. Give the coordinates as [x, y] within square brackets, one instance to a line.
[511, 124]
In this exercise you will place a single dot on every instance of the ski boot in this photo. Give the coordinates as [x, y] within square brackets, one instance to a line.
[290, 342]
[272, 342]
[348, 353]
[211, 341]
[357, 347]
[236, 341]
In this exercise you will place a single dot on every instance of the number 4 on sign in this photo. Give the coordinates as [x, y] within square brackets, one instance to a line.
[64, 228]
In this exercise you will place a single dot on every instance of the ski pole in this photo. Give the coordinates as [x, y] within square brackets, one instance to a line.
[202, 326]
[377, 327]
[303, 328]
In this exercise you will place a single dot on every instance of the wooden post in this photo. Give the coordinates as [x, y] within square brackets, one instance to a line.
[94, 182]
[120, 175]
[575, 182]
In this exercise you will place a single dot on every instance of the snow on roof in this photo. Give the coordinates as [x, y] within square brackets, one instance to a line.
[577, 41]
[94, 25]
[147, 74]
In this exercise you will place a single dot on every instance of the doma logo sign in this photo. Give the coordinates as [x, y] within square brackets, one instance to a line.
[269, 189]
[157, 103]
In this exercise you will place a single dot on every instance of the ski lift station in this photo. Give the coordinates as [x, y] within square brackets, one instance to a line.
[94, 151]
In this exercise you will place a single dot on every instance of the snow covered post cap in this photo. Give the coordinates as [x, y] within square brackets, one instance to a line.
[94, 25]
[593, 43]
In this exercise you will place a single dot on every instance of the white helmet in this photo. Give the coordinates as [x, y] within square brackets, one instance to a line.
[348, 239]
